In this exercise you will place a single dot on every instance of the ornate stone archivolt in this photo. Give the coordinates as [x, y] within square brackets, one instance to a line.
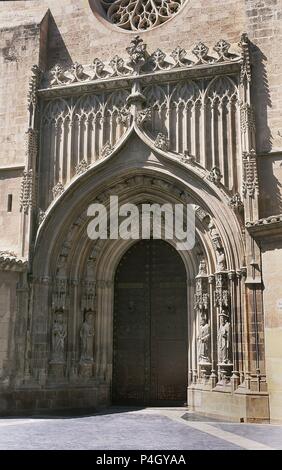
[78, 323]
[140, 15]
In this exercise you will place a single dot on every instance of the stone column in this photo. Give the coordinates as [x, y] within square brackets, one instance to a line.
[235, 324]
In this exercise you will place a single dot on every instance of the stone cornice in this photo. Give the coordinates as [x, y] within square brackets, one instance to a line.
[269, 226]
[11, 262]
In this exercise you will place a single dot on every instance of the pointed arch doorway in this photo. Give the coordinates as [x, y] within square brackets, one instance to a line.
[150, 337]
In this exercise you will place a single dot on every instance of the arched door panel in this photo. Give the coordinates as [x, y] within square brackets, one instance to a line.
[150, 326]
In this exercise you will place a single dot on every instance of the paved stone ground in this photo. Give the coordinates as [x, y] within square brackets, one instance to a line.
[143, 429]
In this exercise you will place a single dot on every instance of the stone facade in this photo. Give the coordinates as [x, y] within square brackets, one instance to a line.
[188, 111]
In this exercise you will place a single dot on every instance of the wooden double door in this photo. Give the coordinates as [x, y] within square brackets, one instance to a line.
[150, 326]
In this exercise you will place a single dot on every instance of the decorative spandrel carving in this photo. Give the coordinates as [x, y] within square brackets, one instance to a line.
[81, 167]
[162, 142]
[106, 150]
[187, 158]
[140, 15]
[74, 132]
[215, 176]
[144, 115]
[57, 190]
[59, 334]
[236, 202]
[87, 338]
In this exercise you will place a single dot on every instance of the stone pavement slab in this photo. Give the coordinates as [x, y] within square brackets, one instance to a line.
[129, 429]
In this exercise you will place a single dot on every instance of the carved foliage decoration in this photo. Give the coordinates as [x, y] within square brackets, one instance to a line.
[139, 61]
[27, 191]
[33, 86]
[250, 174]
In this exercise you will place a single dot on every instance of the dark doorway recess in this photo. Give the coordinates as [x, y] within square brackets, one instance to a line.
[150, 326]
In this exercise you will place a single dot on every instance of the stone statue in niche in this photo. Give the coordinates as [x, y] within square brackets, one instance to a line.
[204, 341]
[202, 268]
[220, 260]
[219, 250]
[224, 339]
[86, 338]
[59, 333]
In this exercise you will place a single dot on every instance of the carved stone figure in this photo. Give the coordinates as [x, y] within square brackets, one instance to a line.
[224, 339]
[220, 260]
[86, 338]
[59, 333]
[204, 341]
[219, 250]
[202, 268]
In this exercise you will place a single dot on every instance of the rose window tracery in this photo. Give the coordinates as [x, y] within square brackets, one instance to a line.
[140, 14]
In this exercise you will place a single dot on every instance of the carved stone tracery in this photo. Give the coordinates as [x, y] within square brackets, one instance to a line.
[140, 14]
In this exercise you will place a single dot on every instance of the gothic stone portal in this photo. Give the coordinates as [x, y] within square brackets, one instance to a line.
[150, 326]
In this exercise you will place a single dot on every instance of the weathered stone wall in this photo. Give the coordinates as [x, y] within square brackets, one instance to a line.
[10, 221]
[271, 261]
[8, 307]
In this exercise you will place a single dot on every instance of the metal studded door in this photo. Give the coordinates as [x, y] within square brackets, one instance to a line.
[150, 326]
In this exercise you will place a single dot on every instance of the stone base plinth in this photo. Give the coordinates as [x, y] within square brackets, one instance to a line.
[34, 401]
[235, 406]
